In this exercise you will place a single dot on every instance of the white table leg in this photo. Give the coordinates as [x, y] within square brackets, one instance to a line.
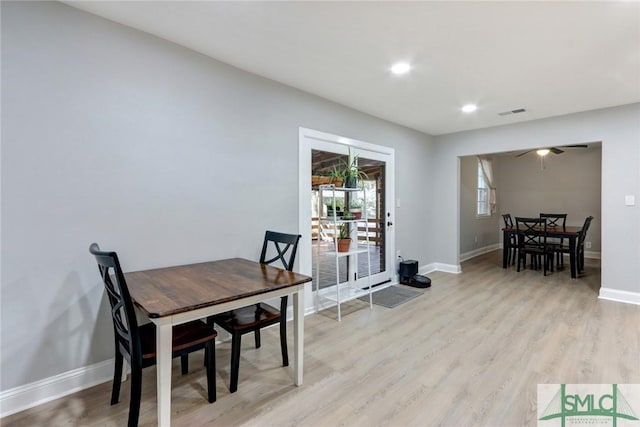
[163, 357]
[298, 331]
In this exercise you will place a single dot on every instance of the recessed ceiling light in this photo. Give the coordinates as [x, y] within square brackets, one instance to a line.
[469, 108]
[400, 68]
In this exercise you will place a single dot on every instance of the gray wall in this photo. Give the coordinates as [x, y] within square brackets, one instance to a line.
[570, 183]
[619, 130]
[475, 232]
[160, 153]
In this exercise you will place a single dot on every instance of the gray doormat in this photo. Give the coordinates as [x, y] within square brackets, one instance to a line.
[392, 296]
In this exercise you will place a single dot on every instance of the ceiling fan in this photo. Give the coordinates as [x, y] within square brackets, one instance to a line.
[544, 151]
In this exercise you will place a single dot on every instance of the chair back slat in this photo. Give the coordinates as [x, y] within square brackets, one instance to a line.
[281, 245]
[555, 220]
[531, 231]
[508, 220]
[125, 325]
[583, 232]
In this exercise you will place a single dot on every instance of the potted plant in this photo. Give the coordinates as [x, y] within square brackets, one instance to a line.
[347, 215]
[355, 207]
[317, 180]
[330, 203]
[344, 239]
[351, 172]
[337, 177]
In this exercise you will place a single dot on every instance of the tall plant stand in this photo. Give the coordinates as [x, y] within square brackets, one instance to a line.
[352, 288]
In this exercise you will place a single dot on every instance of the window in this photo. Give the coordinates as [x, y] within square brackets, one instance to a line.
[483, 193]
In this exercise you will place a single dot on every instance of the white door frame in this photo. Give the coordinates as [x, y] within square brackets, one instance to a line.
[310, 139]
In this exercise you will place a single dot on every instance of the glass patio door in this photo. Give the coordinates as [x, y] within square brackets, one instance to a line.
[379, 197]
[376, 234]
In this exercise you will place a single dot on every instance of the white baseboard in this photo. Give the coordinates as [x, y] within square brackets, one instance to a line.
[480, 251]
[592, 254]
[619, 296]
[438, 266]
[29, 395]
[587, 255]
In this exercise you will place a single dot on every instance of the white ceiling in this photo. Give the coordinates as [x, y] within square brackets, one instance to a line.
[551, 58]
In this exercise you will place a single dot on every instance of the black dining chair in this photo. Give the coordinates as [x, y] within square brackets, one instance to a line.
[532, 240]
[556, 220]
[281, 247]
[137, 343]
[512, 241]
[565, 249]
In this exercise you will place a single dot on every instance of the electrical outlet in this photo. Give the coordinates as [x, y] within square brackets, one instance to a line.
[476, 239]
[398, 254]
[587, 245]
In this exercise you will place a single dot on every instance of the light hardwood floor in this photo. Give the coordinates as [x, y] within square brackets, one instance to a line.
[470, 351]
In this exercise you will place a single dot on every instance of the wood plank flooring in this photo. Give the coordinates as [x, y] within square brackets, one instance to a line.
[469, 352]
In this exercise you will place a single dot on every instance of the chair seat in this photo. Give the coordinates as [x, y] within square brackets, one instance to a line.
[538, 249]
[184, 336]
[248, 318]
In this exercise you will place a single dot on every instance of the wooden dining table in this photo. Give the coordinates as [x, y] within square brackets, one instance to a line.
[571, 233]
[174, 295]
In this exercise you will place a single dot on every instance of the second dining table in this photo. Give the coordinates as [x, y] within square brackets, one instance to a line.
[174, 295]
[569, 232]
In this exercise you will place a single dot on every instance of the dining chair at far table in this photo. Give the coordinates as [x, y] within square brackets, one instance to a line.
[137, 343]
[532, 240]
[276, 247]
[511, 242]
[556, 220]
[582, 235]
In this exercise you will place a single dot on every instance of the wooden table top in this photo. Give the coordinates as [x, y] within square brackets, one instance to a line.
[166, 291]
[560, 231]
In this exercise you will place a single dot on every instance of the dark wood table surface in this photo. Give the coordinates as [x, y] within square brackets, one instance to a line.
[175, 295]
[570, 232]
[171, 290]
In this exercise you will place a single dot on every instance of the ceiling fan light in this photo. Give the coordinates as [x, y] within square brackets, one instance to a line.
[542, 152]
